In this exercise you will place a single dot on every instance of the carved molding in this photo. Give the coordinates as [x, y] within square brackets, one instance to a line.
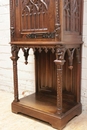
[57, 24]
[41, 35]
[12, 17]
[40, 48]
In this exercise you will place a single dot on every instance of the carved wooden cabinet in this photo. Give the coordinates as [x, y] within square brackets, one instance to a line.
[53, 29]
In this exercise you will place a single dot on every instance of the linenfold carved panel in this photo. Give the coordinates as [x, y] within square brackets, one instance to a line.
[39, 20]
[72, 15]
[34, 15]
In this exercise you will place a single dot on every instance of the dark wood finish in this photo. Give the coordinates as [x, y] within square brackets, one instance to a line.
[53, 29]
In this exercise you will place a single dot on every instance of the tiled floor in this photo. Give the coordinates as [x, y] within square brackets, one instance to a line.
[11, 121]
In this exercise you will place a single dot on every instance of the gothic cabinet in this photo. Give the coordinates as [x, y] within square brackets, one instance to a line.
[53, 29]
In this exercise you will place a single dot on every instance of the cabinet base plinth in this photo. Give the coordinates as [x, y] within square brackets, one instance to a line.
[35, 106]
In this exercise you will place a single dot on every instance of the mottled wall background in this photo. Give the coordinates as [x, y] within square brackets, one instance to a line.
[26, 72]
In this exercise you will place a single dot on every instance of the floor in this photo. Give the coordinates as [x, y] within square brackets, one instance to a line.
[11, 121]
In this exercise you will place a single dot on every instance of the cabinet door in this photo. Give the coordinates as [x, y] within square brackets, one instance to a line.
[35, 20]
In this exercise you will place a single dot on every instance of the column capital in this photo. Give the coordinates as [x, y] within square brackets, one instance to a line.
[59, 62]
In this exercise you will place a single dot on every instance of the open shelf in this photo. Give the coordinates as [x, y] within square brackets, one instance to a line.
[46, 103]
[43, 107]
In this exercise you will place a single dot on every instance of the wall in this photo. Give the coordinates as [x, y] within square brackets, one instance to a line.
[84, 59]
[26, 73]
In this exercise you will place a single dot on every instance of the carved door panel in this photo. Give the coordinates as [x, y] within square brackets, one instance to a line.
[72, 19]
[36, 20]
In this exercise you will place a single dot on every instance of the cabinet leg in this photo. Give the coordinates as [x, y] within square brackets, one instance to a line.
[59, 86]
[14, 58]
[60, 52]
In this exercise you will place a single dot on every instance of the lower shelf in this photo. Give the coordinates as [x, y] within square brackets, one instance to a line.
[43, 107]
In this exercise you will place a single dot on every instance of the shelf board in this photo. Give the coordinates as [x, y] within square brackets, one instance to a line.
[43, 106]
[45, 103]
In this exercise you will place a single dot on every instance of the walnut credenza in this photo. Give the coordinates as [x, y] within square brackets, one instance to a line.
[53, 29]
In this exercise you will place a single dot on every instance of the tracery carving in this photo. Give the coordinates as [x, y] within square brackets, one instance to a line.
[35, 13]
[72, 15]
[26, 49]
[34, 17]
[46, 50]
[53, 49]
[40, 49]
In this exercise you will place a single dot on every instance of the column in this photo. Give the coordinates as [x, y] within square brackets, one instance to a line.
[60, 52]
[14, 58]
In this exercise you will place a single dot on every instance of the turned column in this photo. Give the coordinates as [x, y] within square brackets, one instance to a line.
[14, 58]
[60, 52]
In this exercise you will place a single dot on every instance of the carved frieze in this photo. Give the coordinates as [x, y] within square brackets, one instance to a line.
[26, 49]
[41, 35]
